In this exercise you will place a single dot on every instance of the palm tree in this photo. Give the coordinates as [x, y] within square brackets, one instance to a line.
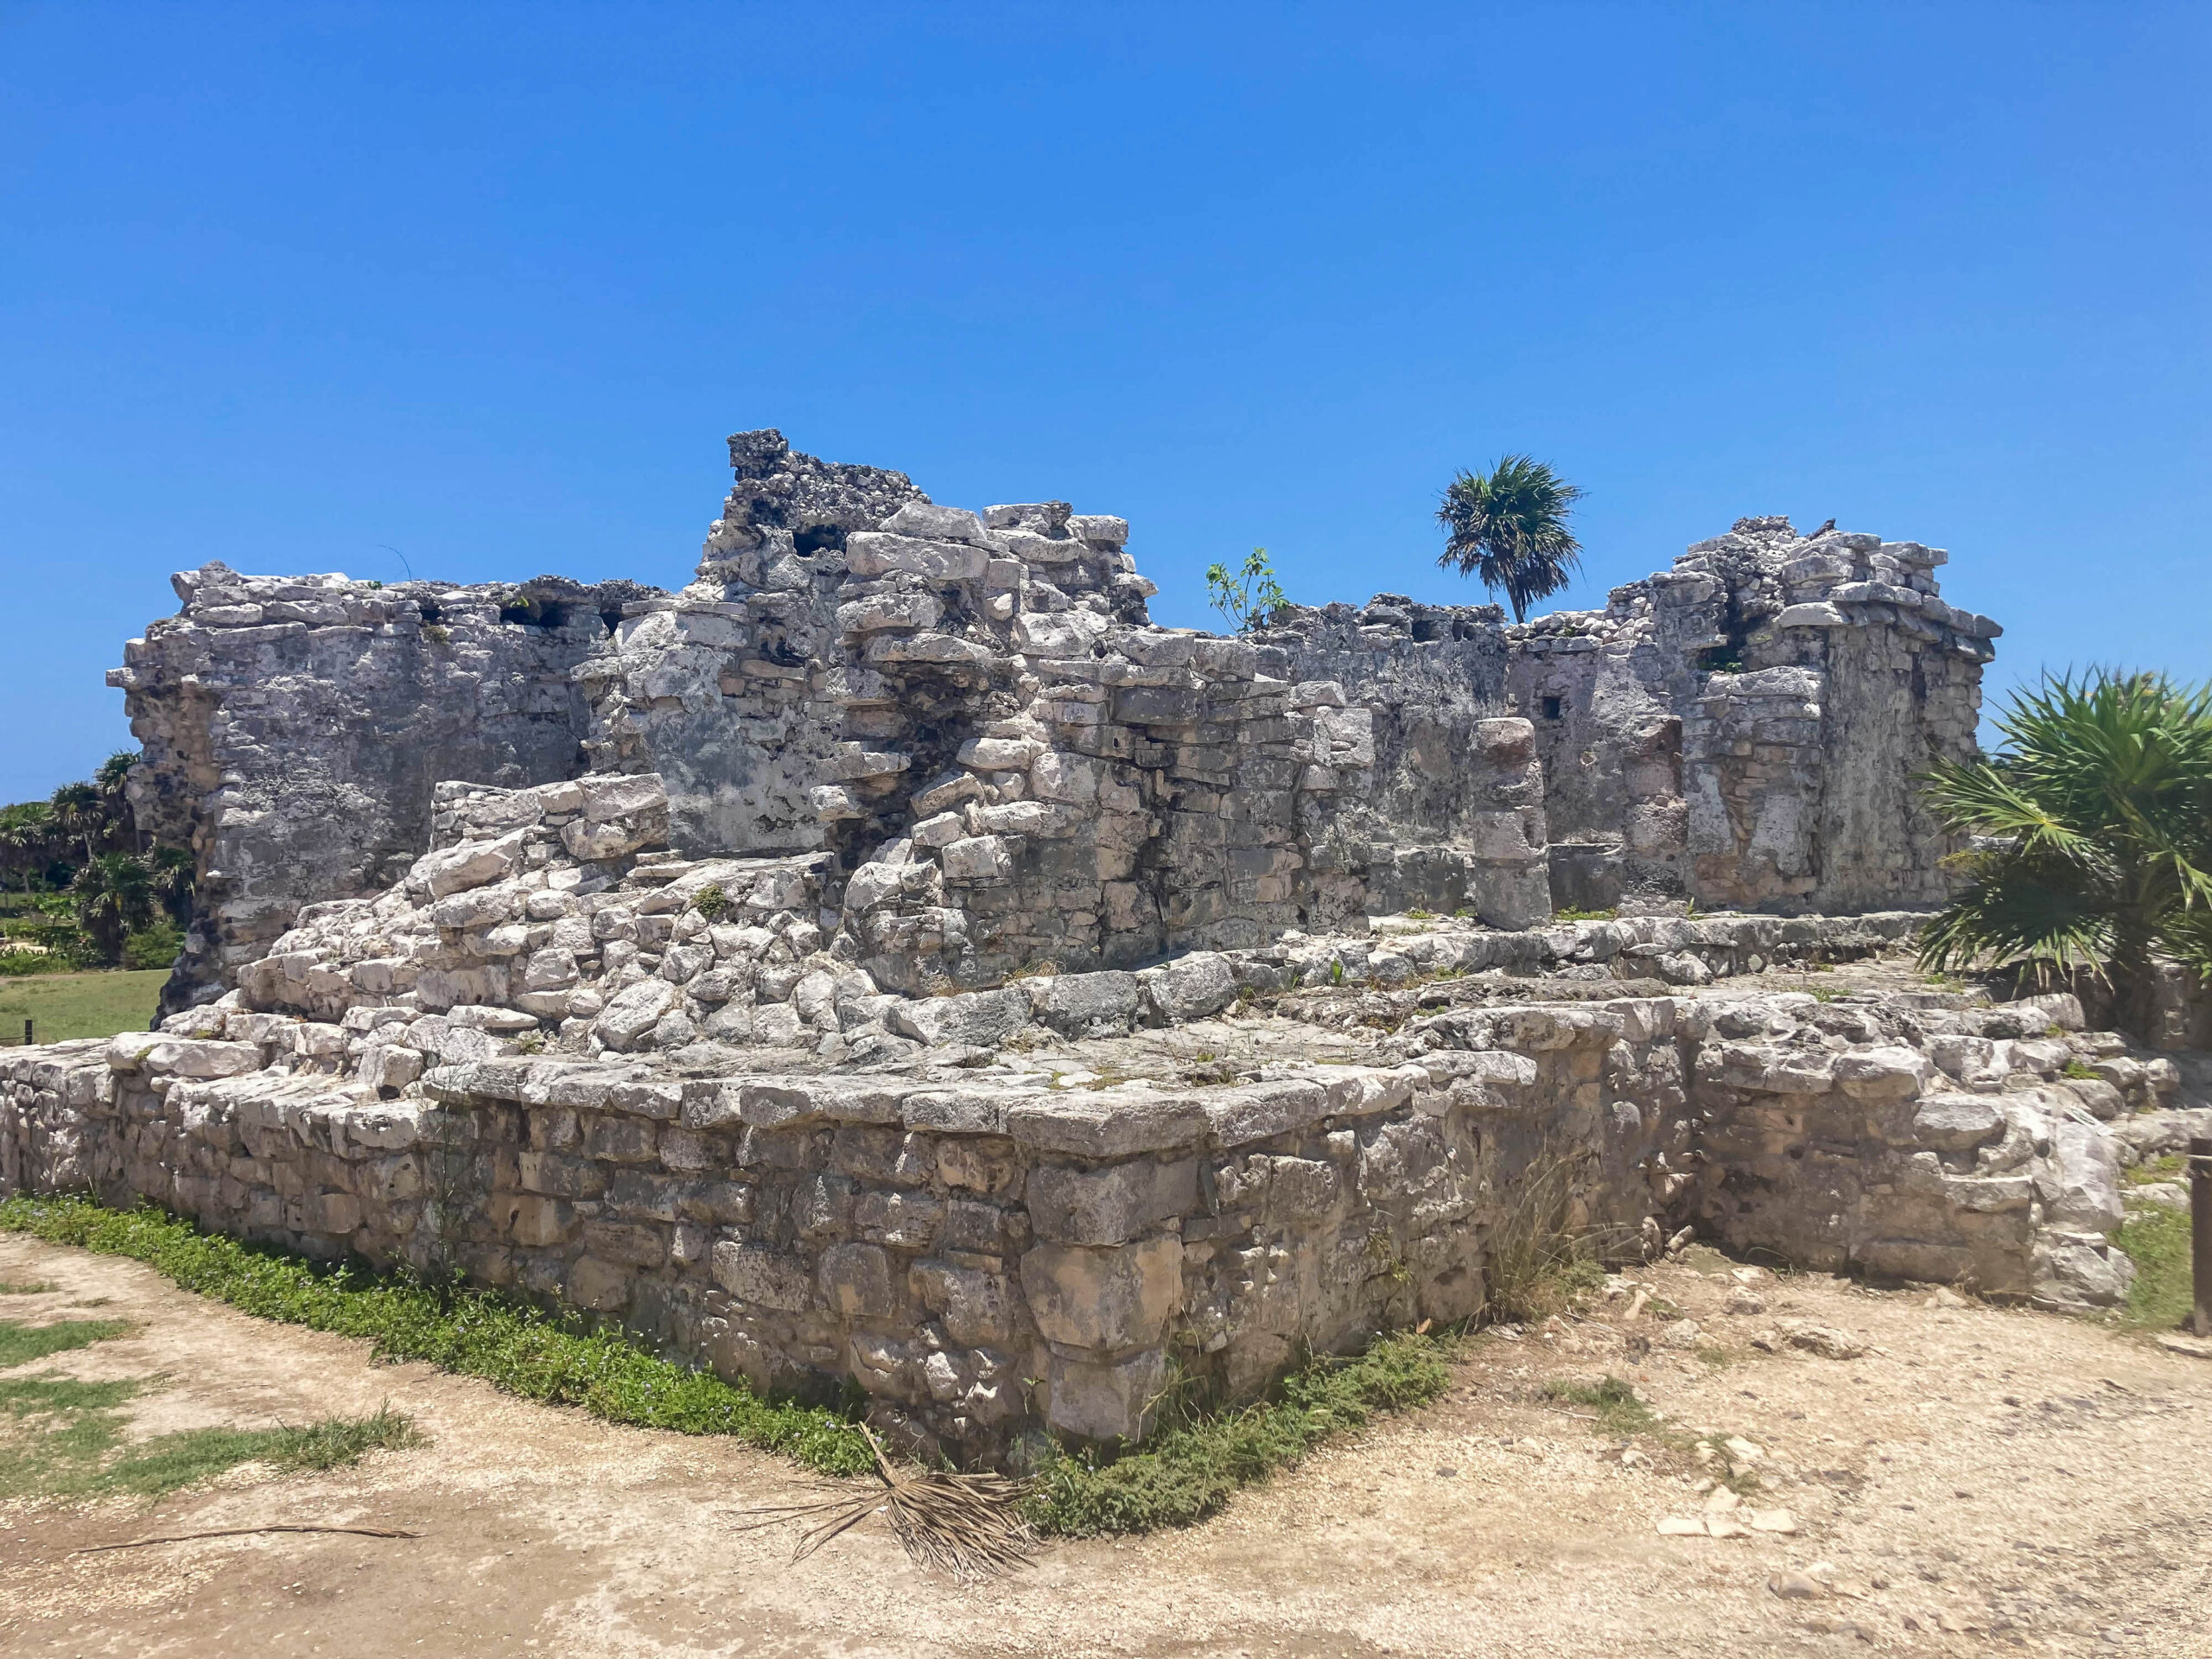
[2093, 828]
[79, 812]
[26, 839]
[115, 897]
[1508, 526]
[115, 800]
[175, 881]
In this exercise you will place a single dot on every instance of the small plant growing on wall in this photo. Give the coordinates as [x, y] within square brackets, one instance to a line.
[711, 902]
[1248, 596]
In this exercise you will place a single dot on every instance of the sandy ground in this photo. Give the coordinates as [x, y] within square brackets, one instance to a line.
[1982, 1480]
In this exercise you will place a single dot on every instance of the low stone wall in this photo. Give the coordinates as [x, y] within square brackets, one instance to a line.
[991, 1257]
[985, 1258]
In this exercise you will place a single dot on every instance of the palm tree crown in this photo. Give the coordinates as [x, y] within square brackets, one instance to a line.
[2094, 837]
[1508, 526]
[115, 898]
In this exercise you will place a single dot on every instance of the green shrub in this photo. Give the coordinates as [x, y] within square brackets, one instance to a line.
[15, 964]
[2156, 1241]
[156, 946]
[711, 902]
[1189, 1470]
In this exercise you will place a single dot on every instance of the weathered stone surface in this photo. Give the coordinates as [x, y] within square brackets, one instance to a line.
[1110, 1205]
[779, 995]
[1110, 1299]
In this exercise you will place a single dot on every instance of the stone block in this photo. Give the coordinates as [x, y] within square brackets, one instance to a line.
[1112, 1205]
[1191, 986]
[1105, 1401]
[982, 1018]
[979, 1308]
[1106, 1122]
[1086, 1005]
[762, 1276]
[947, 523]
[1957, 1122]
[858, 1281]
[977, 858]
[600, 1285]
[1110, 1300]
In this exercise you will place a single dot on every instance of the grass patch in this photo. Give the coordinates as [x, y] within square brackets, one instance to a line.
[63, 1005]
[29, 1288]
[520, 1349]
[2156, 1241]
[338, 1441]
[1619, 1411]
[1536, 1265]
[1571, 914]
[21, 1344]
[1190, 1469]
[62, 1438]
[2168, 1167]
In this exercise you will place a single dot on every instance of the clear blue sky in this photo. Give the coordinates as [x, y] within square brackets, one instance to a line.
[288, 285]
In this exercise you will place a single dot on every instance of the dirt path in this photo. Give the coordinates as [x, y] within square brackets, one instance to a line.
[1983, 1481]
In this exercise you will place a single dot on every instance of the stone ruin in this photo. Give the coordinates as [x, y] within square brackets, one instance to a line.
[892, 959]
[980, 703]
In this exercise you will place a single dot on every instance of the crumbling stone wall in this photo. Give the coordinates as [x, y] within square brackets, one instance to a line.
[294, 727]
[1744, 729]
[1455, 816]
[571, 1062]
[1012, 770]
[733, 691]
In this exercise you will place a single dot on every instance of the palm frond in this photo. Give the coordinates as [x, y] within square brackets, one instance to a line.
[972, 1526]
[2096, 815]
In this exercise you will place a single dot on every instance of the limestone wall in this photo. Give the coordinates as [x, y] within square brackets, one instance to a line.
[1012, 770]
[991, 1255]
[985, 1259]
[1455, 816]
[293, 729]
[1744, 729]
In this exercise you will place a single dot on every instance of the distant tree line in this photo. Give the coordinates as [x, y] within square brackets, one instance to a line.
[83, 887]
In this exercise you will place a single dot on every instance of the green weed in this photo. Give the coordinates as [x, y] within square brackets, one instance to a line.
[1619, 1412]
[1191, 1468]
[1186, 1472]
[29, 1288]
[2156, 1241]
[2167, 1167]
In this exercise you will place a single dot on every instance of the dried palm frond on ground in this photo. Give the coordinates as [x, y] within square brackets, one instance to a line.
[973, 1526]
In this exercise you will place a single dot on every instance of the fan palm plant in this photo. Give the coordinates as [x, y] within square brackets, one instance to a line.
[2092, 831]
[174, 880]
[26, 839]
[109, 781]
[115, 897]
[80, 814]
[1508, 526]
